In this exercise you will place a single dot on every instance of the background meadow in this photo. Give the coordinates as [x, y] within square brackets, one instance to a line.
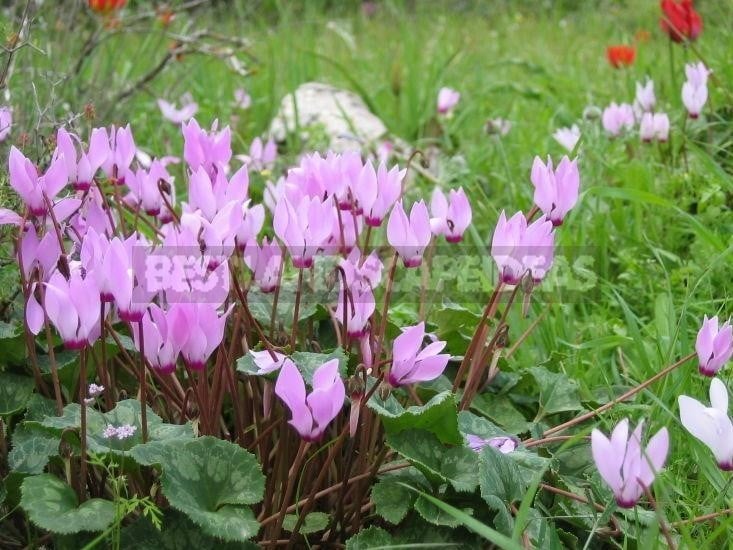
[641, 258]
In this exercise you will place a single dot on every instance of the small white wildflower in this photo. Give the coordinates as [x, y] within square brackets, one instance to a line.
[95, 390]
[109, 432]
[123, 432]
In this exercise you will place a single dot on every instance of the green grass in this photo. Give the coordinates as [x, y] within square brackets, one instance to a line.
[655, 234]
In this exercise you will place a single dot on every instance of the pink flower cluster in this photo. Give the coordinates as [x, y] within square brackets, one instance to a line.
[523, 249]
[84, 269]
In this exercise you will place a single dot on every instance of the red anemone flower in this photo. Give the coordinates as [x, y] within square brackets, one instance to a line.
[621, 55]
[106, 6]
[680, 20]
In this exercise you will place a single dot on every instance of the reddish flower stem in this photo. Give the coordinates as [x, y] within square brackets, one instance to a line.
[83, 429]
[143, 386]
[52, 360]
[633, 391]
[276, 298]
[663, 526]
[385, 308]
[479, 361]
[296, 311]
[293, 475]
[479, 335]
[703, 518]
[103, 372]
[549, 488]
[335, 448]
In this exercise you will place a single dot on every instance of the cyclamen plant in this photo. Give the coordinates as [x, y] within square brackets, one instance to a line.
[108, 253]
[97, 224]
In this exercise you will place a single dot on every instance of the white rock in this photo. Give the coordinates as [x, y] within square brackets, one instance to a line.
[343, 116]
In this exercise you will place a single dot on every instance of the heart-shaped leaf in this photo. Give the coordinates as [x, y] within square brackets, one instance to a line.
[314, 522]
[33, 445]
[372, 537]
[211, 481]
[455, 465]
[438, 416]
[176, 532]
[126, 412]
[15, 391]
[558, 393]
[52, 505]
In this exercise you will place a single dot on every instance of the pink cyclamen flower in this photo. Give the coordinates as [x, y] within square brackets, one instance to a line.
[711, 425]
[265, 361]
[170, 112]
[714, 345]
[10, 217]
[697, 74]
[149, 189]
[654, 126]
[360, 306]
[200, 270]
[242, 99]
[384, 151]
[103, 260]
[311, 413]
[6, 122]
[197, 329]
[265, 263]
[82, 168]
[119, 153]
[262, 156]
[365, 272]
[498, 126]
[253, 218]
[356, 303]
[377, 191]
[73, 307]
[303, 227]
[555, 191]
[695, 89]
[161, 349]
[451, 215]
[207, 149]
[411, 364]
[625, 467]
[110, 264]
[519, 249]
[409, 236]
[447, 100]
[208, 195]
[31, 186]
[92, 213]
[567, 137]
[215, 237]
[617, 118]
[333, 176]
[131, 295]
[42, 253]
[344, 236]
[645, 100]
[503, 444]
